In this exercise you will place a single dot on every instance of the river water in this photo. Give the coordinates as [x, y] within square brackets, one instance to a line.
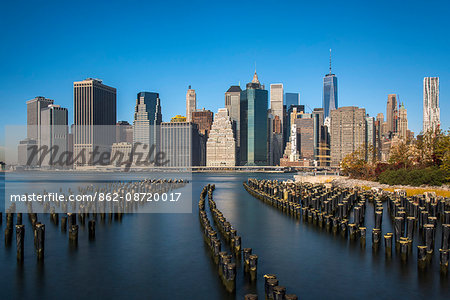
[164, 256]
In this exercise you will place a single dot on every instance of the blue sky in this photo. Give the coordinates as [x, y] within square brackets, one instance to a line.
[379, 47]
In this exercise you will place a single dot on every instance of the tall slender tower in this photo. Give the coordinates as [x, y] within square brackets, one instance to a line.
[191, 103]
[253, 124]
[391, 113]
[431, 111]
[330, 93]
[402, 122]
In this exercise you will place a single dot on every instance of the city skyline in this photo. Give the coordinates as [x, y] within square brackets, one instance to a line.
[370, 63]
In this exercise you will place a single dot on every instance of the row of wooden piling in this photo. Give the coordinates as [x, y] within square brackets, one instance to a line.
[230, 235]
[226, 267]
[334, 208]
[419, 217]
[116, 190]
[272, 289]
[68, 221]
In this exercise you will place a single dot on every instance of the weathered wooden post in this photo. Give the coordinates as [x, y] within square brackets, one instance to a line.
[73, 234]
[421, 256]
[20, 235]
[63, 224]
[271, 283]
[362, 236]
[91, 225]
[247, 253]
[429, 237]
[40, 240]
[19, 219]
[443, 260]
[445, 240]
[388, 243]
[279, 292]
[253, 266]
[266, 283]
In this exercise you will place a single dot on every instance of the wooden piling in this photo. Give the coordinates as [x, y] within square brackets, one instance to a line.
[91, 225]
[20, 236]
[73, 234]
[40, 241]
[421, 256]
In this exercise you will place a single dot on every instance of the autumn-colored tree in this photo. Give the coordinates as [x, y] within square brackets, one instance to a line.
[356, 164]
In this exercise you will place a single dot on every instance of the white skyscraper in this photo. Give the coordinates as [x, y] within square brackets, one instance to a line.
[431, 113]
[191, 103]
[221, 144]
[276, 100]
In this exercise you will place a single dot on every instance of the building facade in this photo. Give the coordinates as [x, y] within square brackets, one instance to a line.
[191, 103]
[291, 99]
[147, 119]
[124, 132]
[94, 117]
[204, 119]
[180, 143]
[431, 111]
[54, 132]
[391, 114]
[34, 107]
[253, 124]
[371, 139]
[221, 144]
[348, 132]
[402, 123]
[330, 94]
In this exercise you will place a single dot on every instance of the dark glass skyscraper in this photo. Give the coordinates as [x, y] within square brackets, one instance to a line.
[253, 125]
[291, 99]
[330, 93]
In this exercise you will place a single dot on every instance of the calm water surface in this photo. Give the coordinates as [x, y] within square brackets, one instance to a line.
[163, 256]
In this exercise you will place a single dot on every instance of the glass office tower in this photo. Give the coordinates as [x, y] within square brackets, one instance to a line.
[291, 99]
[253, 125]
[330, 95]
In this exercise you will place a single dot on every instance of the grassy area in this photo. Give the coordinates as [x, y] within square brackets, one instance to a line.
[415, 191]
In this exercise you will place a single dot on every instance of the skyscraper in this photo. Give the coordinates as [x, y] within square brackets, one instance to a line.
[233, 104]
[330, 92]
[253, 124]
[371, 139]
[191, 103]
[348, 132]
[34, 107]
[277, 112]
[402, 122]
[276, 100]
[54, 132]
[431, 111]
[94, 105]
[221, 144]
[147, 119]
[180, 142]
[391, 113]
[291, 99]
[204, 119]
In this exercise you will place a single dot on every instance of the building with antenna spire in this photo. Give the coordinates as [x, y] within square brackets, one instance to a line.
[330, 93]
[253, 124]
